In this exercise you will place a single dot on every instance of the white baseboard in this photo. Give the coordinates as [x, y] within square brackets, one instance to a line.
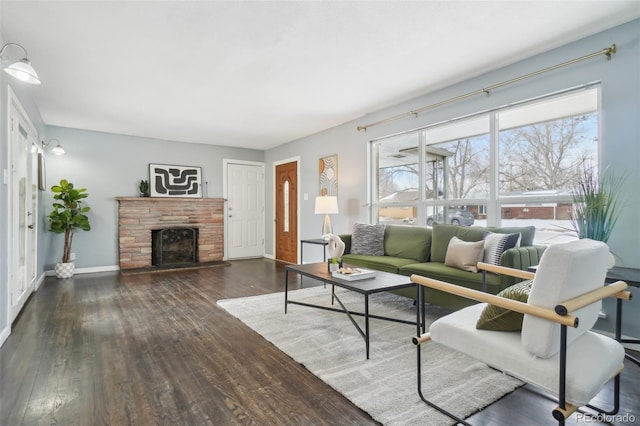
[270, 256]
[39, 281]
[91, 270]
[4, 334]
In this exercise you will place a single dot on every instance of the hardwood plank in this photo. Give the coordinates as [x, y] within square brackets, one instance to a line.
[108, 349]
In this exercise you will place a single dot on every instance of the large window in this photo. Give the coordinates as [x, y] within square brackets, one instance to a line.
[461, 172]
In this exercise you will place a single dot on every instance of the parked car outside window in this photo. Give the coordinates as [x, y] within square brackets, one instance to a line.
[455, 217]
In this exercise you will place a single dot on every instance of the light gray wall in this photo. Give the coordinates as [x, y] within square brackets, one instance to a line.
[110, 165]
[620, 138]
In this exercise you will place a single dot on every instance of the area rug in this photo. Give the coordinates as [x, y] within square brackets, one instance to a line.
[384, 386]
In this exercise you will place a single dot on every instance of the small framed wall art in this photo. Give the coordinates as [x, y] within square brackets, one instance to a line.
[328, 170]
[175, 181]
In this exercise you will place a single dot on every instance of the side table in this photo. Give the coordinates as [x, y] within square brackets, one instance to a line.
[317, 241]
[632, 277]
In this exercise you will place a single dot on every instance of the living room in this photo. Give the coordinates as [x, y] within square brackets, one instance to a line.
[110, 165]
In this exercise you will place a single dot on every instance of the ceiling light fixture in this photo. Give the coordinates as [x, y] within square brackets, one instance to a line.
[57, 150]
[22, 70]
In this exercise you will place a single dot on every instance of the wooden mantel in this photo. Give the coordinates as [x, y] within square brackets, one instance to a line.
[138, 216]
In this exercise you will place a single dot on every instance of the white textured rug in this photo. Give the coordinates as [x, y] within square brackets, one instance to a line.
[384, 386]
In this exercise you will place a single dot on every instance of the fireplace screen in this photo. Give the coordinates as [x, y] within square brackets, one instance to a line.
[174, 246]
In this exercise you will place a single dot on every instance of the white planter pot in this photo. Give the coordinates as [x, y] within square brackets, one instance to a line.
[64, 270]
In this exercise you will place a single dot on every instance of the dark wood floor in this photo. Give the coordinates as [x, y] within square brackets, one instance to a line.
[108, 349]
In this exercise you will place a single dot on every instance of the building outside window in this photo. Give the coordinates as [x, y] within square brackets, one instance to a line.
[521, 174]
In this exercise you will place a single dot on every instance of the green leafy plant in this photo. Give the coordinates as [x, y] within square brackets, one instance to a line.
[144, 187]
[68, 213]
[597, 204]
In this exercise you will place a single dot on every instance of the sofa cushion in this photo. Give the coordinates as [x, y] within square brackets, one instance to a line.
[502, 319]
[380, 263]
[496, 243]
[442, 272]
[464, 255]
[367, 239]
[442, 234]
[409, 242]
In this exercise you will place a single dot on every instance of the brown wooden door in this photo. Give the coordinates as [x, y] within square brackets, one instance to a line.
[286, 220]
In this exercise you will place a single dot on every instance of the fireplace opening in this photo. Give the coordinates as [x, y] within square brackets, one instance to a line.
[174, 246]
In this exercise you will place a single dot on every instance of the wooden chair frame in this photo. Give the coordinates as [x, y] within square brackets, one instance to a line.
[562, 314]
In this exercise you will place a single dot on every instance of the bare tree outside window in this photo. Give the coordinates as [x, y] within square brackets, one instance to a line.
[468, 166]
[547, 156]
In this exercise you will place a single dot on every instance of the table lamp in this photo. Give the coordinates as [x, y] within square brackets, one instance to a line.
[326, 205]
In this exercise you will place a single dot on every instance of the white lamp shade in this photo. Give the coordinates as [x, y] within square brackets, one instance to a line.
[23, 71]
[327, 204]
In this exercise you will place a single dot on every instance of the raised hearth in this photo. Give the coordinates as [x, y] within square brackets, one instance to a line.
[138, 217]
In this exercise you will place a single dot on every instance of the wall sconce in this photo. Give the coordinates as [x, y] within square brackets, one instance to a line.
[22, 70]
[57, 150]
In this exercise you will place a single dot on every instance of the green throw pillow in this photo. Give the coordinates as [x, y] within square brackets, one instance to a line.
[501, 319]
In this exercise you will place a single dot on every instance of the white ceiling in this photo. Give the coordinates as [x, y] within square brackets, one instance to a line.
[257, 74]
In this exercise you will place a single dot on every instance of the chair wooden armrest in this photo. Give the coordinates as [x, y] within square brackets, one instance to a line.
[612, 290]
[503, 270]
[503, 302]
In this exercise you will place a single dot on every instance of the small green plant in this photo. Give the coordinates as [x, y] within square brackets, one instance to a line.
[68, 214]
[597, 204]
[144, 188]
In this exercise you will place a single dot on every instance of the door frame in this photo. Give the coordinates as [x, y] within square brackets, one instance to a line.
[14, 105]
[225, 195]
[273, 203]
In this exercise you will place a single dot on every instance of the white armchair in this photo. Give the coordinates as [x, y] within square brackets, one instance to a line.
[550, 351]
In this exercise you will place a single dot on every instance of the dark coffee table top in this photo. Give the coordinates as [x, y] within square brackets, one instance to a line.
[383, 281]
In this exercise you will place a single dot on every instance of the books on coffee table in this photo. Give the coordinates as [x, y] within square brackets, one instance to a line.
[354, 274]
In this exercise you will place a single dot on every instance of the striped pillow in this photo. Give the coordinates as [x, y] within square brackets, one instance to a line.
[367, 239]
[495, 244]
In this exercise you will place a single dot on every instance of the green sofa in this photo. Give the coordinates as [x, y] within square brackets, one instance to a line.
[421, 250]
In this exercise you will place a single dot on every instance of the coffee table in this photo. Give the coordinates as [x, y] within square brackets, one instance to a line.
[383, 281]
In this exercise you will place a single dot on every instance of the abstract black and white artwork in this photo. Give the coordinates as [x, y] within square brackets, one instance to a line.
[175, 181]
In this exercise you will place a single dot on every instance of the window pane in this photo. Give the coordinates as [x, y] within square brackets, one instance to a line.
[396, 214]
[543, 147]
[285, 207]
[457, 160]
[548, 155]
[397, 168]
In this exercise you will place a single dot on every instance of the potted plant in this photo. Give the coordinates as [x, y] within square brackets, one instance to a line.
[68, 215]
[144, 188]
[597, 204]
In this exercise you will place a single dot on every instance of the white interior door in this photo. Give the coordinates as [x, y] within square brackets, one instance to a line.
[245, 210]
[23, 208]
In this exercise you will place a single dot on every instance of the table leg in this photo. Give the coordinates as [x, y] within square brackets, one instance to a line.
[366, 322]
[286, 289]
[619, 332]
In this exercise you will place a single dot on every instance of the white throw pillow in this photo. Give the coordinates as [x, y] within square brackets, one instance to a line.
[464, 255]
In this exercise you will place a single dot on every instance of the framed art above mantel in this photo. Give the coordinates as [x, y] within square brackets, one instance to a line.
[175, 181]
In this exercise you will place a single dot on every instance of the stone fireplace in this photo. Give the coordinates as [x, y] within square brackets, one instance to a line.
[200, 220]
